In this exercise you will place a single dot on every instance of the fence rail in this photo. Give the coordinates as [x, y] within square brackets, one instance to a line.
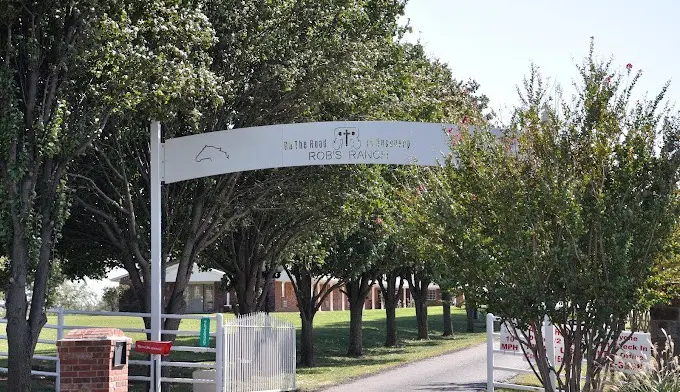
[491, 366]
[217, 364]
[251, 353]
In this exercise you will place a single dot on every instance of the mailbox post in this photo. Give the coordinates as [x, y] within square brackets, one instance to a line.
[94, 360]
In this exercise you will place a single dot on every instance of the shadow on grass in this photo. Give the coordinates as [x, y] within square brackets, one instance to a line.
[335, 362]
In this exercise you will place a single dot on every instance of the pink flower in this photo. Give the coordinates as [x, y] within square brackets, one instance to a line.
[457, 137]
[609, 79]
[629, 66]
[378, 221]
[510, 144]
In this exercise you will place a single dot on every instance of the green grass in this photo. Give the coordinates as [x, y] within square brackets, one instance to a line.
[522, 379]
[331, 331]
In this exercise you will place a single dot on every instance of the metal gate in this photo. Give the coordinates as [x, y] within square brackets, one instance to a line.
[259, 354]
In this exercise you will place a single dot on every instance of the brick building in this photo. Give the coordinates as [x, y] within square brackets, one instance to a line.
[204, 294]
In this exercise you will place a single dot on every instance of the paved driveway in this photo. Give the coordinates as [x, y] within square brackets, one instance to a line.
[463, 370]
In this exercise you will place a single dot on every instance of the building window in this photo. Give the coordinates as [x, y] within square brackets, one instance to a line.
[208, 298]
[431, 295]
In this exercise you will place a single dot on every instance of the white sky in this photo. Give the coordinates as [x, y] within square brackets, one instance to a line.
[495, 41]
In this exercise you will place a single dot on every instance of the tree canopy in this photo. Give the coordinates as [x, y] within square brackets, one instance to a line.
[573, 214]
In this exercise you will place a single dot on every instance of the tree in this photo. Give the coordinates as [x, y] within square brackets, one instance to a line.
[66, 68]
[576, 212]
[335, 197]
[111, 298]
[422, 255]
[391, 285]
[352, 257]
[453, 204]
[75, 296]
[250, 254]
[254, 75]
[446, 311]
[448, 284]
[312, 285]
[663, 286]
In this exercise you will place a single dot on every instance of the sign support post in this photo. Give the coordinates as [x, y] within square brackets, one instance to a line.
[156, 289]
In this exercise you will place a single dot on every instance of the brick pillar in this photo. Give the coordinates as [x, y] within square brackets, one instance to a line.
[87, 360]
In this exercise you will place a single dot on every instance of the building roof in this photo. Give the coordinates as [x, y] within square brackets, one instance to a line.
[215, 275]
[197, 276]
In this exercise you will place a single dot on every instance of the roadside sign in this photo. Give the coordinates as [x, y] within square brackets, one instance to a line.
[204, 339]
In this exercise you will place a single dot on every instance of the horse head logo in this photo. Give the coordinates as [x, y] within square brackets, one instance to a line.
[210, 153]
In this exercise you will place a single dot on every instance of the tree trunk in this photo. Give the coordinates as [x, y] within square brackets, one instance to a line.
[390, 294]
[309, 302]
[470, 314]
[307, 357]
[446, 313]
[251, 292]
[356, 346]
[18, 341]
[421, 317]
[419, 283]
[357, 291]
[22, 333]
[19, 344]
[391, 324]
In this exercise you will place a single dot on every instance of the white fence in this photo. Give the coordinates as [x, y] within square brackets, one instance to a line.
[260, 354]
[492, 348]
[252, 353]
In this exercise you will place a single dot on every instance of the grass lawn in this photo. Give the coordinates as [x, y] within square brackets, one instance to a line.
[522, 379]
[331, 330]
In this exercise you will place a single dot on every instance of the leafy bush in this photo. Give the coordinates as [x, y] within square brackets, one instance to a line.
[662, 374]
[110, 300]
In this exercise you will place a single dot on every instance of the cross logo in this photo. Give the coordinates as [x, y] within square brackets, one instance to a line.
[346, 138]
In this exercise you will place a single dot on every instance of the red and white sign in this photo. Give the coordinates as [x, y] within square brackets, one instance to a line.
[635, 351]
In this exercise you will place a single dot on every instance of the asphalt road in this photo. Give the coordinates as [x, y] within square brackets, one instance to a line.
[463, 370]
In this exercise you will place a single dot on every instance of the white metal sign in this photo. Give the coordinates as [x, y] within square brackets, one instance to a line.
[321, 143]
[634, 353]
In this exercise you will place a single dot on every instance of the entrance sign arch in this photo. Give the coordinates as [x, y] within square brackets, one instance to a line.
[285, 145]
[304, 144]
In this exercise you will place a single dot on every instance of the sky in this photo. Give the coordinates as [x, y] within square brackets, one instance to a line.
[495, 41]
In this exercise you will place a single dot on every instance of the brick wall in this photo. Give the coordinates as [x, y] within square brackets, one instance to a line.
[86, 357]
[285, 301]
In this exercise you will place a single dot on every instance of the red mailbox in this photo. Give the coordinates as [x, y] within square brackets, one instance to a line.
[153, 347]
